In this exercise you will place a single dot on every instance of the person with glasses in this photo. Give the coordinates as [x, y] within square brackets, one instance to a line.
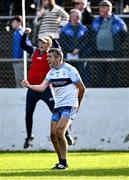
[87, 17]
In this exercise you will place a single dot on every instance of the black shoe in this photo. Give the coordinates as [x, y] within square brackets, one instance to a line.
[28, 142]
[55, 167]
[60, 167]
[70, 140]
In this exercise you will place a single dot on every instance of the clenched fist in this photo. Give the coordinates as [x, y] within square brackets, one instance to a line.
[27, 30]
[25, 83]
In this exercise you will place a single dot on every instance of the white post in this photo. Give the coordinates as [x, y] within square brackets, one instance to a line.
[24, 26]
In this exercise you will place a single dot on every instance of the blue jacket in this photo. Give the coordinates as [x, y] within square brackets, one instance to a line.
[17, 50]
[72, 37]
[117, 24]
[118, 29]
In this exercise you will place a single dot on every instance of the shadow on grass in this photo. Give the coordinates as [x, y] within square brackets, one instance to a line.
[78, 172]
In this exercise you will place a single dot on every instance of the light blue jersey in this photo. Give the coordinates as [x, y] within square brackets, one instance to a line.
[63, 82]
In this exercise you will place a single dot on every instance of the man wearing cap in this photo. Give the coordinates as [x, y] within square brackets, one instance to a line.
[37, 73]
[109, 33]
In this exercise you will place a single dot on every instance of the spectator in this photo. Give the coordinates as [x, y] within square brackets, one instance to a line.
[87, 17]
[50, 18]
[109, 33]
[17, 52]
[73, 40]
[37, 72]
[72, 37]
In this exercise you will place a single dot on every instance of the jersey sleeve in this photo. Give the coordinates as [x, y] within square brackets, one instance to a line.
[74, 75]
[48, 76]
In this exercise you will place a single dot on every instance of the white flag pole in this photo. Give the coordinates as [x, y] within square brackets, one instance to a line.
[24, 26]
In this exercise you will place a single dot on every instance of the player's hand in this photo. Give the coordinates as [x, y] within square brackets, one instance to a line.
[27, 30]
[25, 83]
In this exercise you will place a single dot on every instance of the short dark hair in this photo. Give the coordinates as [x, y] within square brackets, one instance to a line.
[56, 52]
[17, 18]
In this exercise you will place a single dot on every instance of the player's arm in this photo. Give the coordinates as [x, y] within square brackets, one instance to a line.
[28, 48]
[76, 79]
[81, 90]
[39, 88]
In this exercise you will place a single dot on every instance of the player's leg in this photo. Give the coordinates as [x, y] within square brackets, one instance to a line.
[66, 115]
[54, 121]
[54, 138]
[31, 100]
[47, 97]
[61, 128]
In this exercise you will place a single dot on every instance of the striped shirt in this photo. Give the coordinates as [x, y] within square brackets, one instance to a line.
[51, 22]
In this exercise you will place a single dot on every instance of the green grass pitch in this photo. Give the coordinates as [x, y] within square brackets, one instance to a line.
[82, 166]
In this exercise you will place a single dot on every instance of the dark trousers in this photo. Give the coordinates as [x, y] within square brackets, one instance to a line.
[31, 99]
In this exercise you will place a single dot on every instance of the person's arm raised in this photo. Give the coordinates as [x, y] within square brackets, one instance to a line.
[28, 48]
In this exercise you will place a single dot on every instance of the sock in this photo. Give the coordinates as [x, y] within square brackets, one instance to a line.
[60, 161]
[63, 162]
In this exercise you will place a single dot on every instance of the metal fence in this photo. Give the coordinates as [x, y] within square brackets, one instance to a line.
[96, 69]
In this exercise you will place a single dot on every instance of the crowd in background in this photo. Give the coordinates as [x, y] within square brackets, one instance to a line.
[80, 34]
[122, 5]
[79, 30]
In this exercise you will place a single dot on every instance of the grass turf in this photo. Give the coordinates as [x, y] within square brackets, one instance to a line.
[83, 165]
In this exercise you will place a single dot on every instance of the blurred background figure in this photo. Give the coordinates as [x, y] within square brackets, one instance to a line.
[72, 37]
[73, 40]
[17, 52]
[109, 33]
[84, 7]
[50, 18]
